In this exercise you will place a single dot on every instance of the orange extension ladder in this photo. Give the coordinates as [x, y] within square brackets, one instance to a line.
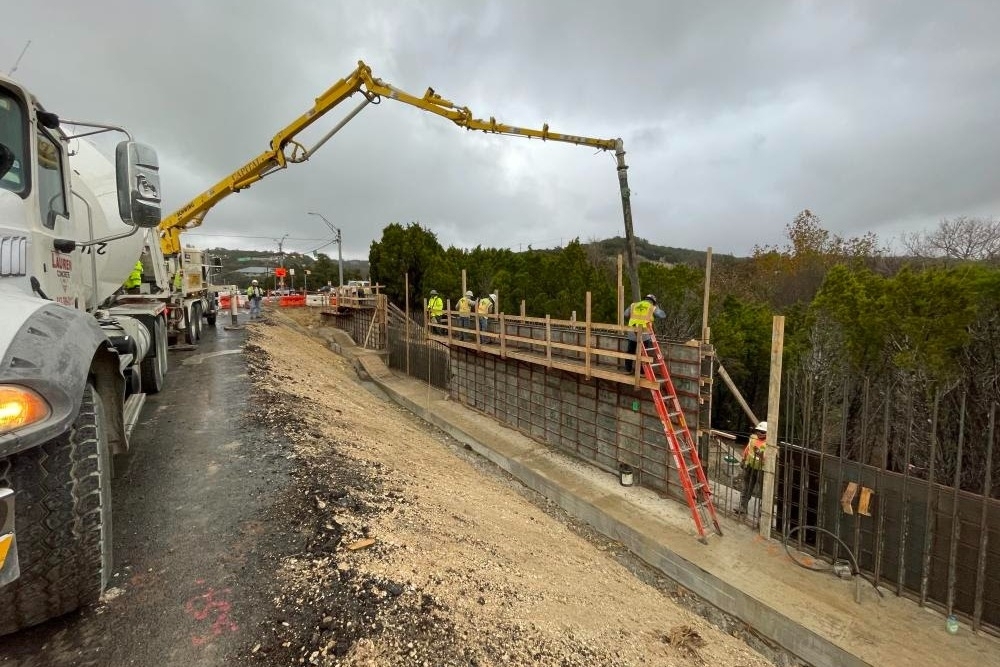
[693, 480]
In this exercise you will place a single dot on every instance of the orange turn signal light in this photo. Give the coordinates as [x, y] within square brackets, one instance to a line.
[20, 407]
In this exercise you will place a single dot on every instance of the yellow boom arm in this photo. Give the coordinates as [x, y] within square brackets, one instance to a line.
[284, 149]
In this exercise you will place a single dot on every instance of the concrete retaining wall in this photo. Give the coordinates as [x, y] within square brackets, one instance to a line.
[606, 423]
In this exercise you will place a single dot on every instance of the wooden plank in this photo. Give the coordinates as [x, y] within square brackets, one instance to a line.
[704, 305]
[773, 404]
[736, 394]
[586, 345]
[548, 342]
[596, 353]
[503, 337]
[621, 293]
[448, 315]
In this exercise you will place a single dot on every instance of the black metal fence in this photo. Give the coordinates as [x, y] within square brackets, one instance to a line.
[904, 477]
[416, 356]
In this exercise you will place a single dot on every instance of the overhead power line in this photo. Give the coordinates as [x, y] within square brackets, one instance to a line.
[247, 236]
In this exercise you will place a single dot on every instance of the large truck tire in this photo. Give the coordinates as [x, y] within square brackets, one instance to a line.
[197, 320]
[62, 521]
[192, 331]
[154, 367]
[210, 317]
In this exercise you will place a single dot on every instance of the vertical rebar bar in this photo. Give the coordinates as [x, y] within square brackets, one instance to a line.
[977, 610]
[821, 501]
[925, 572]
[904, 519]
[956, 528]
[844, 409]
[880, 486]
[804, 471]
[788, 457]
[862, 461]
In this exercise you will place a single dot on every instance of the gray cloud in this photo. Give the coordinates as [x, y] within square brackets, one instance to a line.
[735, 116]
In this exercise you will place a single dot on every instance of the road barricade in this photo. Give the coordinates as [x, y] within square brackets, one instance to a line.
[241, 301]
[292, 300]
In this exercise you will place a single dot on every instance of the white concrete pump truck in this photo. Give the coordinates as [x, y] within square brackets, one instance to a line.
[73, 376]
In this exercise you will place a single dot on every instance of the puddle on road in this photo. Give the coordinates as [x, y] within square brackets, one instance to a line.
[198, 358]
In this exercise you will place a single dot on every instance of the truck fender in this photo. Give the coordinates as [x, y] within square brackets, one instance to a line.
[55, 351]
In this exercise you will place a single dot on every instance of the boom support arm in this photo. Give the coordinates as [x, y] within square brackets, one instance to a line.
[284, 149]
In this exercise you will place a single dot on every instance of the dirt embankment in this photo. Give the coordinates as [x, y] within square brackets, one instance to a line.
[415, 552]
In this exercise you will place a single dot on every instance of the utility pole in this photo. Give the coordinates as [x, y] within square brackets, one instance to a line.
[281, 256]
[340, 246]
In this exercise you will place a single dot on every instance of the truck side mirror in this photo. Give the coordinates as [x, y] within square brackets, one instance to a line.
[138, 175]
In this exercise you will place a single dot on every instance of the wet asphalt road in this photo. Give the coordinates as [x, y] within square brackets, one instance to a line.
[193, 559]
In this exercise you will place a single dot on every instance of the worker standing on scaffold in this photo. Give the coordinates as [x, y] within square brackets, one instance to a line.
[639, 315]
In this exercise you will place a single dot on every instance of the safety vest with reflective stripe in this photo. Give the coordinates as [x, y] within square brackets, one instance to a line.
[435, 306]
[464, 305]
[640, 314]
[753, 453]
[135, 277]
[485, 304]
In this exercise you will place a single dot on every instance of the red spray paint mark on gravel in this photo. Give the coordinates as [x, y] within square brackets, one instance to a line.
[210, 608]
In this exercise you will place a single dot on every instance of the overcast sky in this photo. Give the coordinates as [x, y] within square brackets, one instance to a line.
[877, 116]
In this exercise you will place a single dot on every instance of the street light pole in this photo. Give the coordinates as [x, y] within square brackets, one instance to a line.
[340, 246]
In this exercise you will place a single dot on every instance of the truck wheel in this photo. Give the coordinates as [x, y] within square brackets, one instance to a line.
[62, 521]
[154, 367]
[210, 318]
[197, 321]
[192, 317]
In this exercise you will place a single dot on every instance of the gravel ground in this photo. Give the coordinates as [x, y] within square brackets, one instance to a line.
[412, 551]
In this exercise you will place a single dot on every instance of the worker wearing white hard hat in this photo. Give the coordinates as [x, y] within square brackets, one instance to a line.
[254, 296]
[466, 305]
[486, 306]
[753, 465]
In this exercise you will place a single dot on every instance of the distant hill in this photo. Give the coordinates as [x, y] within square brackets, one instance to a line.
[651, 252]
[324, 268]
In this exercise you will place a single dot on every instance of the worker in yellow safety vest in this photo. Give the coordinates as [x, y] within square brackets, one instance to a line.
[254, 295]
[639, 316]
[435, 308]
[465, 306]
[753, 465]
[134, 279]
[486, 306]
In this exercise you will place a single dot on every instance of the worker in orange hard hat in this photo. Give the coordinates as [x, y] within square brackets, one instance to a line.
[753, 465]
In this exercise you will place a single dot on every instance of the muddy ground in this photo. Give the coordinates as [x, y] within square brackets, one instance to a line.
[411, 550]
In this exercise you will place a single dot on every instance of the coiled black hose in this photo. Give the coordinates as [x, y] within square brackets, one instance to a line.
[855, 570]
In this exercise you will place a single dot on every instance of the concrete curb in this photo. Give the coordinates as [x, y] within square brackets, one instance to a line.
[796, 638]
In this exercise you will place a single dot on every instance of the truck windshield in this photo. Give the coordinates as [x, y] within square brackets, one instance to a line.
[12, 165]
